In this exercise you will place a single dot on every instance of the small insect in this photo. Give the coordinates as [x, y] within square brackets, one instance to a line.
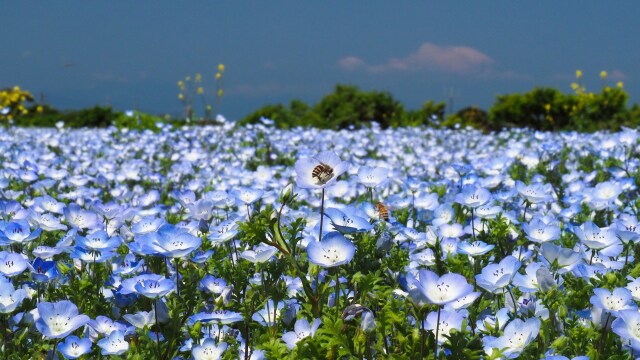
[382, 210]
[322, 172]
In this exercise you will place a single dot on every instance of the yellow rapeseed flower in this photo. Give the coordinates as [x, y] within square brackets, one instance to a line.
[39, 109]
[603, 74]
[181, 96]
[200, 90]
[220, 92]
[578, 74]
[620, 84]
[218, 76]
[198, 77]
[547, 107]
[221, 67]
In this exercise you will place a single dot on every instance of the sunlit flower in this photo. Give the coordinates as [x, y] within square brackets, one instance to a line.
[333, 250]
[320, 171]
[302, 329]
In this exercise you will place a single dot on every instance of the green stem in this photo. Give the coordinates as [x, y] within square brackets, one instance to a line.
[321, 216]
[435, 353]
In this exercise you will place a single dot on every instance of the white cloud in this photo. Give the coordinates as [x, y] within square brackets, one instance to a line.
[430, 57]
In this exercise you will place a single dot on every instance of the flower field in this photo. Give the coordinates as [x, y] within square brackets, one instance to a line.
[250, 242]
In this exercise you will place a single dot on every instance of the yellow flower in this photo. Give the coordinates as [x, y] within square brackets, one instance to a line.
[574, 86]
[181, 96]
[547, 107]
[620, 84]
[200, 90]
[198, 77]
[39, 109]
[218, 76]
[603, 74]
[578, 74]
[221, 67]
[220, 92]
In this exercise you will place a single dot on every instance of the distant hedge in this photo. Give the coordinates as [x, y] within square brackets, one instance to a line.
[542, 108]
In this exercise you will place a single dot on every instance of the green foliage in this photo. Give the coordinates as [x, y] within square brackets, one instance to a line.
[348, 106]
[137, 121]
[469, 116]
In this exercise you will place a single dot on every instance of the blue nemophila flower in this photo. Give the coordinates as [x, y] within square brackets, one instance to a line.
[141, 319]
[347, 221]
[169, 241]
[259, 254]
[59, 319]
[129, 265]
[46, 252]
[213, 284]
[99, 241]
[613, 301]
[43, 271]
[495, 277]
[537, 277]
[10, 298]
[18, 231]
[429, 288]
[449, 320]
[115, 344]
[128, 286]
[208, 350]
[333, 250]
[535, 193]
[634, 287]
[81, 218]
[147, 224]
[12, 264]
[475, 248]
[221, 317]
[473, 196]
[320, 171]
[104, 325]
[594, 237]
[223, 232]
[302, 329]
[517, 335]
[372, 176]
[269, 314]
[627, 326]
[48, 203]
[73, 347]
[46, 221]
[557, 257]
[154, 289]
[538, 231]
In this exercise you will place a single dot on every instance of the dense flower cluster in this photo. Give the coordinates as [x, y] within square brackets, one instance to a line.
[250, 242]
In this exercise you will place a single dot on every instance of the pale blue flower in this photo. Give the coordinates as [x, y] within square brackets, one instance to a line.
[57, 320]
[333, 250]
[115, 344]
[302, 329]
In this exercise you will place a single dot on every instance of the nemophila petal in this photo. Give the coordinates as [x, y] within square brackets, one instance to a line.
[538, 231]
[48, 203]
[81, 218]
[247, 196]
[147, 224]
[333, 250]
[302, 329]
[449, 320]
[129, 265]
[141, 319]
[534, 193]
[174, 242]
[223, 232]
[98, 240]
[104, 325]
[473, 196]
[557, 256]
[114, 344]
[634, 287]
[10, 298]
[43, 271]
[154, 289]
[627, 326]
[208, 350]
[595, 237]
[19, 231]
[347, 222]
[46, 252]
[438, 290]
[475, 248]
[269, 314]
[128, 286]
[372, 176]
[613, 301]
[517, 335]
[213, 284]
[222, 317]
[259, 254]
[12, 264]
[74, 347]
[495, 277]
[57, 320]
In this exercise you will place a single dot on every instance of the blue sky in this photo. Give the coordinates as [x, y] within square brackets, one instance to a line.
[132, 53]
